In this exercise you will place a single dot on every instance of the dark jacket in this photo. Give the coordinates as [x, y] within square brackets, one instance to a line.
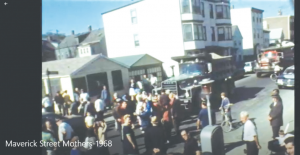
[59, 99]
[175, 109]
[115, 113]
[164, 99]
[145, 118]
[155, 138]
[276, 114]
[89, 107]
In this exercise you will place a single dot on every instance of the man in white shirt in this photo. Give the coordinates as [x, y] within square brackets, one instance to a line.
[99, 107]
[89, 120]
[84, 95]
[250, 134]
[46, 103]
[65, 131]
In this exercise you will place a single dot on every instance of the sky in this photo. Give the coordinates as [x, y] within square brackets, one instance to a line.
[77, 15]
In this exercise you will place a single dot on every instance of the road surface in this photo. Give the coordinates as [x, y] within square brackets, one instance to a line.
[252, 95]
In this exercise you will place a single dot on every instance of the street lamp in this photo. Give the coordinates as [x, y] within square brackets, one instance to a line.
[49, 73]
[212, 140]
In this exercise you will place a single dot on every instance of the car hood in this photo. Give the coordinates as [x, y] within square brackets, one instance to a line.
[289, 76]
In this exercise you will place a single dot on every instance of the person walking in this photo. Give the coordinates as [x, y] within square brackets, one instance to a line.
[76, 96]
[225, 106]
[59, 100]
[47, 104]
[276, 116]
[145, 118]
[116, 115]
[167, 122]
[155, 138]
[99, 107]
[190, 144]
[84, 95]
[132, 89]
[67, 102]
[203, 119]
[130, 146]
[89, 107]
[104, 96]
[175, 112]
[249, 134]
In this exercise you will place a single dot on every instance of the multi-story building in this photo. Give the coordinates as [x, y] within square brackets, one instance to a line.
[237, 43]
[266, 38]
[249, 21]
[167, 28]
[284, 22]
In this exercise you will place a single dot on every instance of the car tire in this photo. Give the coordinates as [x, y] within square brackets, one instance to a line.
[280, 87]
[258, 75]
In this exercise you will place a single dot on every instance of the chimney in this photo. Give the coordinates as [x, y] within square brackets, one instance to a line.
[73, 32]
[90, 28]
[232, 6]
[279, 13]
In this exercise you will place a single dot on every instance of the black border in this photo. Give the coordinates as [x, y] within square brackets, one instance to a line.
[297, 75]
[20, 66]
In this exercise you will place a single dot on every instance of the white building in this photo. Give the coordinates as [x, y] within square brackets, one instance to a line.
[276, 36]
[237, 43]
[167, 28]
[266, 38]
[250, 23]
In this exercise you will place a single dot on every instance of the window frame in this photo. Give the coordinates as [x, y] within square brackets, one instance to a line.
[204, 33]
[185, 10]
[196, 5]
[136, 41]
[225, 11]
[211, 11]
[117, 82]
[221, 37]
[213, 33]
[202, 9]
[133, 17]
[184, 31]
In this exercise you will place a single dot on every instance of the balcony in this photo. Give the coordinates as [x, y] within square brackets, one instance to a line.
[223, 21]
[195, 44]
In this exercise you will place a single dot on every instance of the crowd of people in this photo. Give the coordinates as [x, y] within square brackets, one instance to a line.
[155, 115]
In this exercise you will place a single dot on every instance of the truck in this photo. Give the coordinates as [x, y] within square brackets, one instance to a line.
[195, 68]
[272, 56]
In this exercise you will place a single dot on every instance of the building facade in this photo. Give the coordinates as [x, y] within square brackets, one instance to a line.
[250, 23]
[266, 38]
[284, 22]
[238, 43]
[48, 50]
[168, 28]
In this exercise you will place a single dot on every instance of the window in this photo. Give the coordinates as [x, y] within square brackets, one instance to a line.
[260, 19]
[254, 35]
[185, 6]
[117, 80]
[196, 6]
[202, 9]
[229, 34]
[221, 35]
[223, 12]
[240, 43]
[187, 32]
[219, 11]
[226, 34]
[136, 40]
[234, 43]
[198, 32]
[253, 19]
[133, 16]
[257, 20]
[204, 33]
[213, 34]
[211, 11]
[257, 35]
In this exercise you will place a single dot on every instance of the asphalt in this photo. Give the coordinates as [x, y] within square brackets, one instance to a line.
[253, 95]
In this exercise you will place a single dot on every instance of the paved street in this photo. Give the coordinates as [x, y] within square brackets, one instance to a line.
[252, 95]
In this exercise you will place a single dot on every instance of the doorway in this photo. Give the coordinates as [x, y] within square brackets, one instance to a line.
[96, 83]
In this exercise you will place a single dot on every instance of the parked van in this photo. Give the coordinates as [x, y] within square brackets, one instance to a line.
[249, 67]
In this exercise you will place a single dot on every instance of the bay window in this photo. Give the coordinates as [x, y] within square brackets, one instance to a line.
[193, 32]
[196, 6]
[222, 12]
[185, 6]
[221, 34]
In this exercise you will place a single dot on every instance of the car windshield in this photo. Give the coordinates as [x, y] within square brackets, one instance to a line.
[270, 54]
[289, 71]
[247, 64]
[197, 68]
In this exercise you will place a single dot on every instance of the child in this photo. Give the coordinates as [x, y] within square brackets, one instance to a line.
[75, 150]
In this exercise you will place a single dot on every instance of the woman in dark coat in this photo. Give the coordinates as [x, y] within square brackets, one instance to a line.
[130, 146]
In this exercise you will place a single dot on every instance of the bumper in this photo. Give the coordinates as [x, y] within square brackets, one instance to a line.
[261, 70]
[286, 83]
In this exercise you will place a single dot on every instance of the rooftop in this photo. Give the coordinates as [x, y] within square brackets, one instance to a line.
[283, 16]
[94, 36]
[252, 8]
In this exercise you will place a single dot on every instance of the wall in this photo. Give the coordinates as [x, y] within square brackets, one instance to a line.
[84, 51]
[63, 52]
[158, 26]
[266, 40]
[66, 84]
[104, 65]
[279, 22]
[258, 29]
[243, 19]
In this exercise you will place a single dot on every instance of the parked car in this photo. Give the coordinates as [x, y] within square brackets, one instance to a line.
[239, 73]
[75, 121]
[287, 78]
[249, 67]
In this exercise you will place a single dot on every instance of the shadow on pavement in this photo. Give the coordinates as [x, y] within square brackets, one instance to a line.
[243, 93]
[231, 146]
[239, 78]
